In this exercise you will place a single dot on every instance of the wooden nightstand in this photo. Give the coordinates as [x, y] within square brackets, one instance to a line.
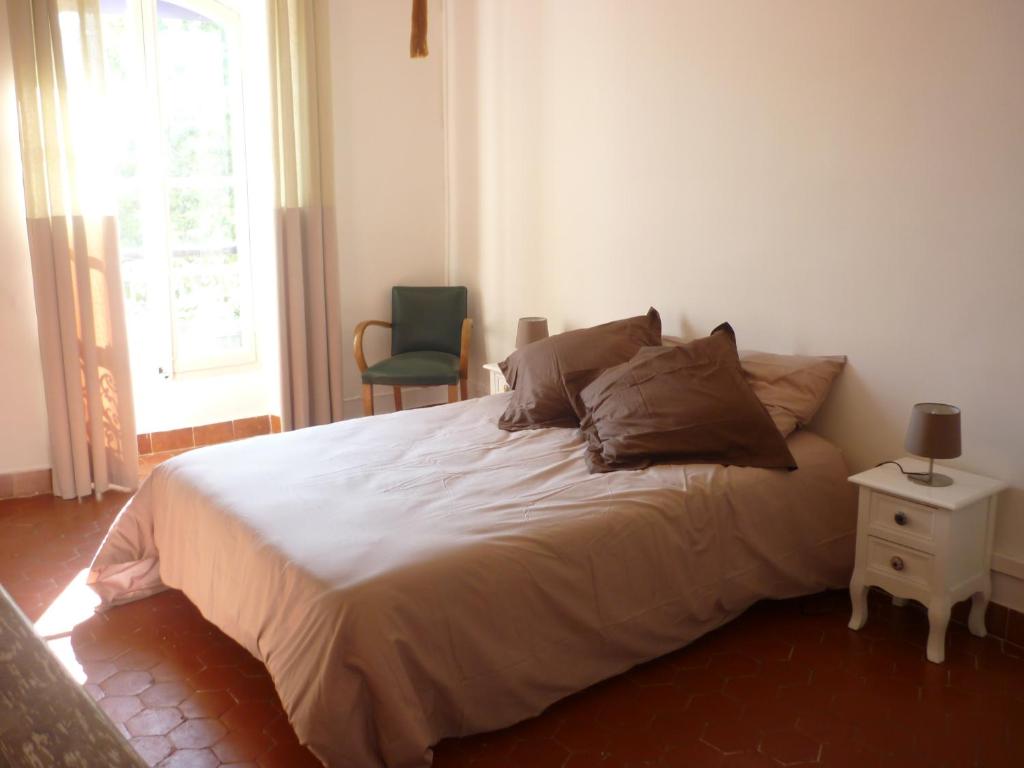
[498, 383]
[933, 545]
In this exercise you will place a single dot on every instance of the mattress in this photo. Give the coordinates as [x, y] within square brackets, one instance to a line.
[423, 574]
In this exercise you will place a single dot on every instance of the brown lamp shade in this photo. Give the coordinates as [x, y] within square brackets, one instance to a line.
[531, 329]
[934, 431]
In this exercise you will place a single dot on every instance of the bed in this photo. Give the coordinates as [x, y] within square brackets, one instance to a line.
[424, 574]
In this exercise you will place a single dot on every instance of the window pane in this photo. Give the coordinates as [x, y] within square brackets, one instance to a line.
[182, 207]
[129, 220]
[208, 313]
[124, 81]
[202, 215]
[200, 101]
[135, 278]
[196, 91]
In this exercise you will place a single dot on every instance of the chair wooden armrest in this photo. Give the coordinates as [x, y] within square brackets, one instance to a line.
[467, 332]
[357, 341]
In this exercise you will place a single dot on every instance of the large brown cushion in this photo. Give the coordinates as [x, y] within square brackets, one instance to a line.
[535, 372]
[792, 387]
[687, 404]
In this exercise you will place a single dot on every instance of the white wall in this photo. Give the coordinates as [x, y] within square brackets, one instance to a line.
[24, 443]
[388, 169]
[831, 177]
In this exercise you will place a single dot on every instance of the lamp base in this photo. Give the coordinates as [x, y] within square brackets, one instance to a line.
[933, 479]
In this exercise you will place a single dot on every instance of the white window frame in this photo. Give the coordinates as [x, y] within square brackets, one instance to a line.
[168, 349]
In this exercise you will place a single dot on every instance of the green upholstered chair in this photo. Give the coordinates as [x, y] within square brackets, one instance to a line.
[429, 344]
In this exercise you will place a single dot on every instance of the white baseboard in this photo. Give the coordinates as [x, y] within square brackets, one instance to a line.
[1007, 564]
[1008, 591]
[1008, 581]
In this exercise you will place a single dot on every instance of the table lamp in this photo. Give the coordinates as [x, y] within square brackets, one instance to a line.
[531, 329]
[934, 433]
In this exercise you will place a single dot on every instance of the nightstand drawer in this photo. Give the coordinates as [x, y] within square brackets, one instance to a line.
[896, 515]
[900, 563]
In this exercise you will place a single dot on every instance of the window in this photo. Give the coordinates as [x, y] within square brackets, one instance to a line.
[175, 87]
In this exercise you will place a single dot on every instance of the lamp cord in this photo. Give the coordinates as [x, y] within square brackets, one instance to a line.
[909, 474]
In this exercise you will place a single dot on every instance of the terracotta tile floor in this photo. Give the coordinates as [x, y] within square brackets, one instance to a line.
[786, 684]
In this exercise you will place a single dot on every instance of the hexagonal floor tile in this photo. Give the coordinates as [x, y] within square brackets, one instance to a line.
[166, 694]
[197, 734]
[152, 749]
[728, 736]
[206, 704]
[699, 680]
[120, 708]
[191, 758]
[790, 747]
[785, 680]
[138, 659]
[126, 683]
[691, 754]
[154, 722]
[250, 714]
[247, 744]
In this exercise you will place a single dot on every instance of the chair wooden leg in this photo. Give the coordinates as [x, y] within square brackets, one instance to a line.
[464, 388]
[368, 399]
[453, 393]
[398, 397]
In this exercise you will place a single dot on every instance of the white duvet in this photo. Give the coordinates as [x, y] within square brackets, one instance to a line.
[424, 574]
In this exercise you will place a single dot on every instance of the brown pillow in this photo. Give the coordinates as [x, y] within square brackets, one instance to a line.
[535, 372]
[686, 404]
[792, 387]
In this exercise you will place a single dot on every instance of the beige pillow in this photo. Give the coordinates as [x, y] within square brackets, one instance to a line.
[792, 387]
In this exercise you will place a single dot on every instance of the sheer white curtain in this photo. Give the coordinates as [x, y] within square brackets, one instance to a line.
[58, 68]
[308, 287]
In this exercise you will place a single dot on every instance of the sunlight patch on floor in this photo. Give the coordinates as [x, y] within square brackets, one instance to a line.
[61, 648]
[73, 606]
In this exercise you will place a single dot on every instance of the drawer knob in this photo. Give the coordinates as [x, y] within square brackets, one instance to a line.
[900, 518]
[896, 563]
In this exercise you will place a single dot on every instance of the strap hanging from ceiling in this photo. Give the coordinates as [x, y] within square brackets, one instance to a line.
[418, 40]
